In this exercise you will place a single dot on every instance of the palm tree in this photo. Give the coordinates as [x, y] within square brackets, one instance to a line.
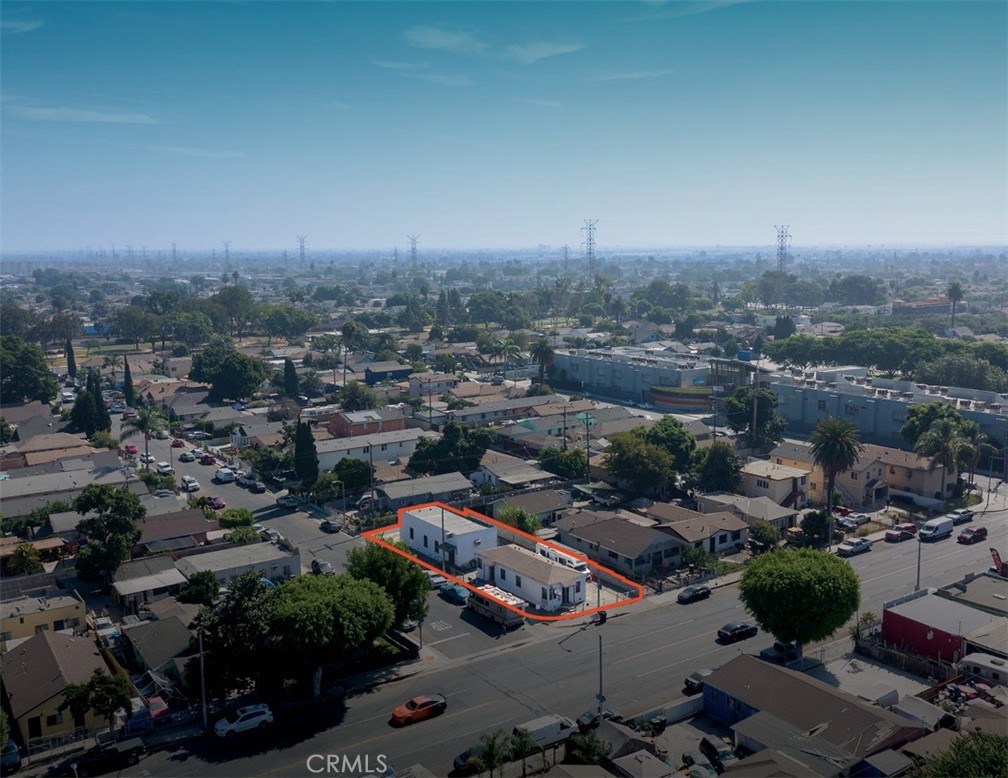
[835, 448]
[542, 352]
[974, 444]
[940, 444]
[955, 294]
[523, 745]
[111, 362]
[507, 350]
[348, 333]
[148, 422]
[496, 751]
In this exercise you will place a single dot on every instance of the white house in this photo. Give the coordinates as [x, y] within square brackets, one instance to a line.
[431, 384]
[787, 486]
[424, 529]
[399, 444]
[544, 584]
[269, 560]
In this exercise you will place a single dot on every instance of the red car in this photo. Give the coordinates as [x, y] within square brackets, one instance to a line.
[901, 532]
[424, 706]
[178, 443]
[974, 533]
[840, 510]
[216, 502]
[131, 450]
[208, 459]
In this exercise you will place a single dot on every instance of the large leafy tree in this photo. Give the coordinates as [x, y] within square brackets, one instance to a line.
[717, 468]
[356, 396]
[566, 463]
[328, 618]
[923, 416]
[941, 444]
[672, 435]
[354, 473]
[230, 373]
[459, 449]
[24, 374]
[103, 693]
[305, 454]
[970, 754]
[645, 466]
[149, 421]
[835, 448]
[738, 409]
[110, 528]
[955, 295]
[238, 634]
[800, 594]
[237, 302]
[201, 588]
[404, 582]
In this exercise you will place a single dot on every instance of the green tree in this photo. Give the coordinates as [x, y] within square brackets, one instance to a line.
[149, 421]
[102, 420]
[817, 529]
[305, 454]
[110, 532]
[24, 374]
[835, 448]
[238, 304]
[237, 631]
[103, 693]
[25, 560]
[955, 295]
[201, 588]
[230, 373]
[969, 754]
[236, 517]
[356, 396]
[542, 354]
[6, 432]
[629, 457]
[672, 435]
[128, 393]
[4, 729]
[329, 618]
[519, 518]
[567, 463]
[588, 748]
[243, 535]
[717, 468]
[495, 750]
[523, 745]
[764, 532]
[355, 474]
[290, 379]
[800, 594]
[459, 449]
[71, 358]
[941, 444]
[738, 409]
[403, 581]
[923, 416]
[972, 446]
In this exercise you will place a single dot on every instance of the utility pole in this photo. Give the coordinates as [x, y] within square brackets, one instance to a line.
[601, 696]
[202, 680]
[587, 448]
[301, 240]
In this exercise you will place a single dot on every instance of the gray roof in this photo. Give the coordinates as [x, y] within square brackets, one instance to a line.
[955, 618]
[432, 485]
[615, 534]
[158, 642]
[42, 666]
[544, 501]
[230, 558]
[377, 439]
[531, 565]
[753, 507]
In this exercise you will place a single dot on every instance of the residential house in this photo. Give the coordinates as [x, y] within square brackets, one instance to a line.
[928, 624]
[24, 616]
[18, 414]
[23, 495]
[40, 449]
[35, 675]
[431, 384]
[717, 533]
[173, 531]
[143, 581]
[437, 533]
[256, 434]
[447, 487]
[497, 469]
[752, 509]
[787, 486]
[395, 445]
[379, 372]
[485, 413]
[862, 486]
[156, 645]
[546, 585]
[631, 549]
[351, 424]
[547, 505]
[911, 476]
[269, 560]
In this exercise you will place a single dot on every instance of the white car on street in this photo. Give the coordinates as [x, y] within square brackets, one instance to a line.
[244, 719]
[165, 468]
[854, 546]
[190, 484]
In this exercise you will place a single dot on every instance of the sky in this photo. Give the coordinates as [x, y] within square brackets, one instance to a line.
[502, 125]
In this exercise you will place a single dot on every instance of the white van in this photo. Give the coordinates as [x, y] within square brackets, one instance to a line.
[224, 475]
[548, 730]
[936, 529]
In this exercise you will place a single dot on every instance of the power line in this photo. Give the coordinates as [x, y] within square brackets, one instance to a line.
[783, 246]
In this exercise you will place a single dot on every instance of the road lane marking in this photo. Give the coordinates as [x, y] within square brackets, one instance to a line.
[445, 640]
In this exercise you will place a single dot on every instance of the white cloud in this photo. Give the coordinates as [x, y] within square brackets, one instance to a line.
[634, 75]
[186, 151]
[11, 27]
[536, 50]
[444, 80]
[541, 103]
[688, 8]
[39, 114]
[442, 39]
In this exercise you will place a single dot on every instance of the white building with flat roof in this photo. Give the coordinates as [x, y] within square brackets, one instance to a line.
[425, 529]
[269, 560]
[544, 584]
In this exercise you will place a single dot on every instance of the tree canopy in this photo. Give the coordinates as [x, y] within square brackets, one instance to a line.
[922, 416]
[103, 693]
[717, 468]
[24, 374]
[566, 463]
[800, 594]
[404, 582]
[111, 532]
[305, 454]
[970, 754]
[647, 467]
[738, 409]
[672, 435]
[230, 373]
[835, 448]
[459, 449]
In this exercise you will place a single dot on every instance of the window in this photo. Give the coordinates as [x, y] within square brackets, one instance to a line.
[518, 581]
[892, 470]
[437, 547]
[6, 635]
[762, 483]
[779, 461]
[503, 575]
[52, 721]
[852, 410]
[366, 449]
[384, 446]
[821, 405]
[544, 592]
[57, 625]
[411, 533]
[613, 555]
[577, 590]
[425, 541]
[813, 485]
[853, 476]
[736, 535]
[722, 539]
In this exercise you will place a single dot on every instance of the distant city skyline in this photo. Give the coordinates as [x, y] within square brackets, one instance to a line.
[502, 126]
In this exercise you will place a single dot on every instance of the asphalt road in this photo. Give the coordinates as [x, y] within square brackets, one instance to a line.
[647, 650]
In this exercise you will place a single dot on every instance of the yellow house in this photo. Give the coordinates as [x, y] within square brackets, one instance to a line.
[37, 672]
[23, 617]
[863, 486]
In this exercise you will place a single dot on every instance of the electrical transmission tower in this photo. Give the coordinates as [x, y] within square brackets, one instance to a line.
[566, 271]
[301, 240]
[227, 253]
[412, 251]
[174, 248]
[783, 246]
[589, 244]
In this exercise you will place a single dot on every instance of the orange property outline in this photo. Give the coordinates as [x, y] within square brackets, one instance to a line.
[374, 536]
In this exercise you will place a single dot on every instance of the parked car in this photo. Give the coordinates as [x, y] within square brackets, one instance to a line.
[129, 413]
[186, 456]
[590, 719]
[224, 475]
[257, 487]
[163, 493]
[469, 762]
[208, 459]
[198, 452]
[321, 567]
[107, 757]
[287, 501]
[455, 593]
[961, 515]
[840, 510]
[901, 532]
[423, 706]
[116, 408]
[436, 580]
[694, 681]
[737, 630]
[720, 754]
[329, 526]
[131, 450]
[853, 547]
[243, 719]
[10, 757]
[694, 593]
[936, 529]
[781, 653]
[973, 534]
[216, 502]
[178, 443]
[165, 468]
[147, 459]
[697, 759]
[199, 435]
[860, 518]
[847, 524]
[244, 479]
[190, 484]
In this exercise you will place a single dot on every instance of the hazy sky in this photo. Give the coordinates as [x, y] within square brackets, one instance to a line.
[491, 124]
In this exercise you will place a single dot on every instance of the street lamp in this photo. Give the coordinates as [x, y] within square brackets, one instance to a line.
[919, 544]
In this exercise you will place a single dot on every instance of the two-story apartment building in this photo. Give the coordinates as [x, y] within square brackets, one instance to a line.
[907, 474]
[438, 533]
[22, 617]
[398, 444]
[787, 486]
[378, 372]
[546, 585]
[431, 384]
[349, 424]
[862, 486]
